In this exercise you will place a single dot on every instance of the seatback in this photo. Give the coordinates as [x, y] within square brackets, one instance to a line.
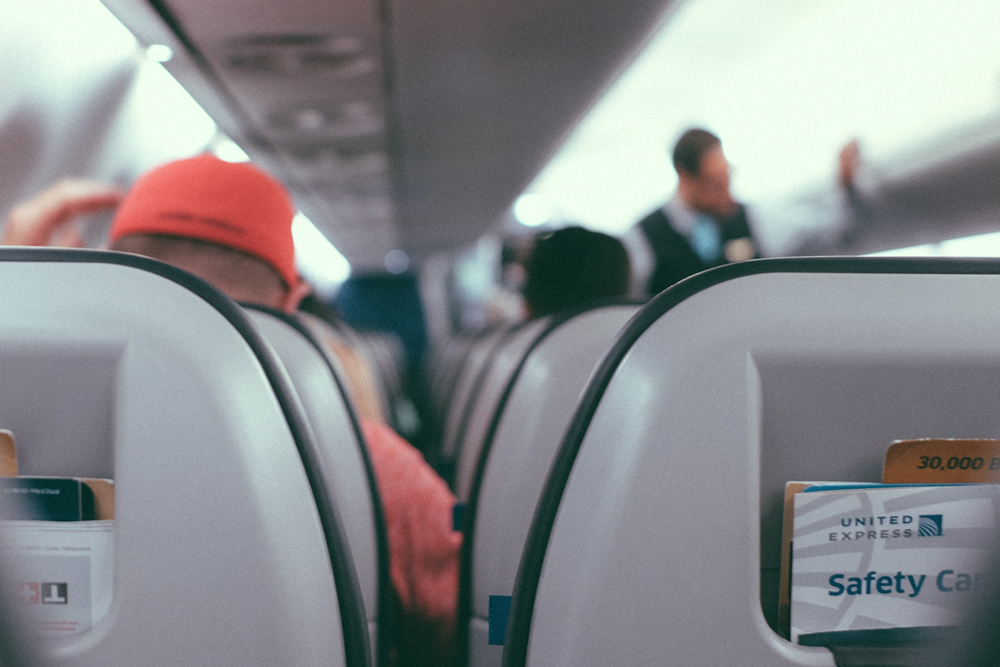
[470, 375]
[345, 466]
[18, 646]
[522, 439]
[977, 644]
[226, 550]
[443, 367]
[496, 377]
[658, 532]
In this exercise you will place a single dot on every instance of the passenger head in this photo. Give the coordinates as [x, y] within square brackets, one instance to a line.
[228, 223]
[703, 172]
[572, 267]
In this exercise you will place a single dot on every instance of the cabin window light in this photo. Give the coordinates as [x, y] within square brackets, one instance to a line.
[159, 53]
[318, 261]
[226, 149]
[980, 245]
[532, 210]
[396, 261]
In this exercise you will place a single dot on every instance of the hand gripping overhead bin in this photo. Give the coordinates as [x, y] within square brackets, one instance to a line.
[227, 550]
[657, 538]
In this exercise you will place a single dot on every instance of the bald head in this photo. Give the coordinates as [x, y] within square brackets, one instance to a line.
[240, 275]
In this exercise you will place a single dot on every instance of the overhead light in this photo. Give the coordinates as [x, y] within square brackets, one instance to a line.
[347, 45]
[353, 120]
[396, 261]
[357, 109]
[159, 53]
[532, 210]
[309, 120]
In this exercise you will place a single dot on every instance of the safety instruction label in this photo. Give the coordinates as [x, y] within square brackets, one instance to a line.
[62, 572]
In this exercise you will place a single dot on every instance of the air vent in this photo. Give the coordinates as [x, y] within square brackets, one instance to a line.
[349, 121]
[285, 39]
[255, 61]
[351, 185]
[340, 64]
[290, 54]
[318, 153]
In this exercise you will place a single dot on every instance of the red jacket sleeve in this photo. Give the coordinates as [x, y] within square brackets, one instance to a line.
[423, 548]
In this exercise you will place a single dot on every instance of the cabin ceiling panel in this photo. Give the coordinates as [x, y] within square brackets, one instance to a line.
[426, 118]
[486, 91]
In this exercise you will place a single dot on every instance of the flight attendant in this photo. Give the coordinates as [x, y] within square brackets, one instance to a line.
[701, 227]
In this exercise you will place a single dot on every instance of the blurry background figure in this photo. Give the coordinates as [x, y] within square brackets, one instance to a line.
[386, 310]
[505, 303]
[572, 267]
[702, 226]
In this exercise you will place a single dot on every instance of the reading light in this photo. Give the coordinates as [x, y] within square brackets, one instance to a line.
[309, 120]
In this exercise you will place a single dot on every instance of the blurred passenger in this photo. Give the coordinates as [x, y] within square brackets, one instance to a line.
[230, 224]
[702, 226]
[573, 267]
[325, 324]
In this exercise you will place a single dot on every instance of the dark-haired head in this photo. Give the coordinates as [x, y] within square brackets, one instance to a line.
[690, 148]
[703, 173]
[572, 267]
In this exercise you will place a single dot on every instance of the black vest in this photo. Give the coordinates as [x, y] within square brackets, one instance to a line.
[673, 255]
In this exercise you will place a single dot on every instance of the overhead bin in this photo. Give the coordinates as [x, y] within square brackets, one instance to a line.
[657, 537]
[520, 442]
[226, 549]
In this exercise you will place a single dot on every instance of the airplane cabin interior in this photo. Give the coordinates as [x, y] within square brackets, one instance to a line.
[658, 333]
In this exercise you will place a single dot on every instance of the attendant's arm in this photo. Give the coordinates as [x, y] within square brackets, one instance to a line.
[857, 208]
[47, 218]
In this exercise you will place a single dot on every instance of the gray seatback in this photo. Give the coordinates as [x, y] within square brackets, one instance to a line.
[340, 449]
[466, 385]
[324, 332]
[136, 371]
[497, 376]
[445, 364]
[659, 527]
[527, 434]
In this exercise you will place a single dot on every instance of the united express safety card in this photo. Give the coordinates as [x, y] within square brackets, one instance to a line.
[883, 556]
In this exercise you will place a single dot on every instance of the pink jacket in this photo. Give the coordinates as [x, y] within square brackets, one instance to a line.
[423, 548]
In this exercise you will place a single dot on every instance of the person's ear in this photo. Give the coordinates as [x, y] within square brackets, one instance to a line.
[294, 297]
